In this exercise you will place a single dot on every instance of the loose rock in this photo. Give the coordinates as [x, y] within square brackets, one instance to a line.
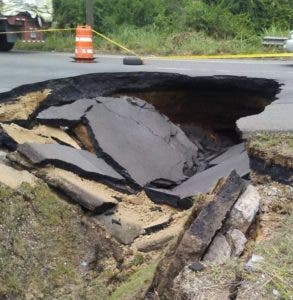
[238, 241]
[244, 210]
[219, 251]
[198, 237]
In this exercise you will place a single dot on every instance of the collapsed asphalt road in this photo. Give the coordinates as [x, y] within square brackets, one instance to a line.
[143, 156]
[171, 135]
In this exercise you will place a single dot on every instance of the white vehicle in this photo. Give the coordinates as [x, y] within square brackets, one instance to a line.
[23, 15]
[289, 43]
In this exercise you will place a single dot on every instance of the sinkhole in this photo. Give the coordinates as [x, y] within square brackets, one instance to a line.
[96, 110]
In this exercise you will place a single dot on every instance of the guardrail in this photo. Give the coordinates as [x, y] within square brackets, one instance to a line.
[274, 41]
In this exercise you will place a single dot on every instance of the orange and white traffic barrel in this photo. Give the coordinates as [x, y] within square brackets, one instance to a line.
[84, 49]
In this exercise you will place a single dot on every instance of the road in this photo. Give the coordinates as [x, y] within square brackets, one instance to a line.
[20, 67]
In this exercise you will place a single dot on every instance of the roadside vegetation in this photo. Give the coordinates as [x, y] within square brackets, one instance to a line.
[175, 26]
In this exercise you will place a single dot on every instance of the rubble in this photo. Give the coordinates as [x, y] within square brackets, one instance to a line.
[244, 210]
[201, 232]
[231, 152]
[238, 241]
[80, 161]
[82, 191]
[219, 251]
[134, 152]
[134, 126]
[158, 224]
[200, 183]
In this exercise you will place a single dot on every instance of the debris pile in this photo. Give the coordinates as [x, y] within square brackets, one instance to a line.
[138, 164]
[125, 147]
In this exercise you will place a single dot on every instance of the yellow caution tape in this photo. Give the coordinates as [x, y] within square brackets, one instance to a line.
[39, 30]
[113, 42]
[171, 57]
[222, 56]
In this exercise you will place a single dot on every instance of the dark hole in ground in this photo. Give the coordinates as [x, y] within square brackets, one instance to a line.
[206, 108]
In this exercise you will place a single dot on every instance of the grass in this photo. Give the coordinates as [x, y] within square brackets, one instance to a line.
[277, 266]
[275, 143]
[41, 246]
[136, 283]
[149, 41]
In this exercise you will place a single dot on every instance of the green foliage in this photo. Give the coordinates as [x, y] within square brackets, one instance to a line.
[219, 18]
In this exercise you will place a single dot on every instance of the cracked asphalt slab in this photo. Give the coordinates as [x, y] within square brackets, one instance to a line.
[24, 67]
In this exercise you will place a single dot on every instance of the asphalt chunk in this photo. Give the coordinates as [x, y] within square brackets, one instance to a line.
[81, 162]
[140, 143]
[201, 183]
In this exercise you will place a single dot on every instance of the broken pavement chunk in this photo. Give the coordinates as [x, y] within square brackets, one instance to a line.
[65, 115]
[143, 144]
[200, 183]
[231, 152]
[197, 238]
[84, 192]
[81, 162]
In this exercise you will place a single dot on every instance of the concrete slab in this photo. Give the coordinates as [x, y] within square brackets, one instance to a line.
[80, 162]
[200, 183]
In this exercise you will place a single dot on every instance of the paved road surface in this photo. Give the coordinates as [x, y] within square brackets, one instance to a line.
[19, 67]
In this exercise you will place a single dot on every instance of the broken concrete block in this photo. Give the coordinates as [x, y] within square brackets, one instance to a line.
[201, 232]
[84, 192]
[232, 151]
[14, 178]
[80, 162]
[244, 210]
[40, 135]
[219, 250]
[65, 115]
[123, 230]
[200, 183]
[238, 241]
[143, 144]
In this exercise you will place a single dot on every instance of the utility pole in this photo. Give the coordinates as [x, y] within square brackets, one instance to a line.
[89, 12]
